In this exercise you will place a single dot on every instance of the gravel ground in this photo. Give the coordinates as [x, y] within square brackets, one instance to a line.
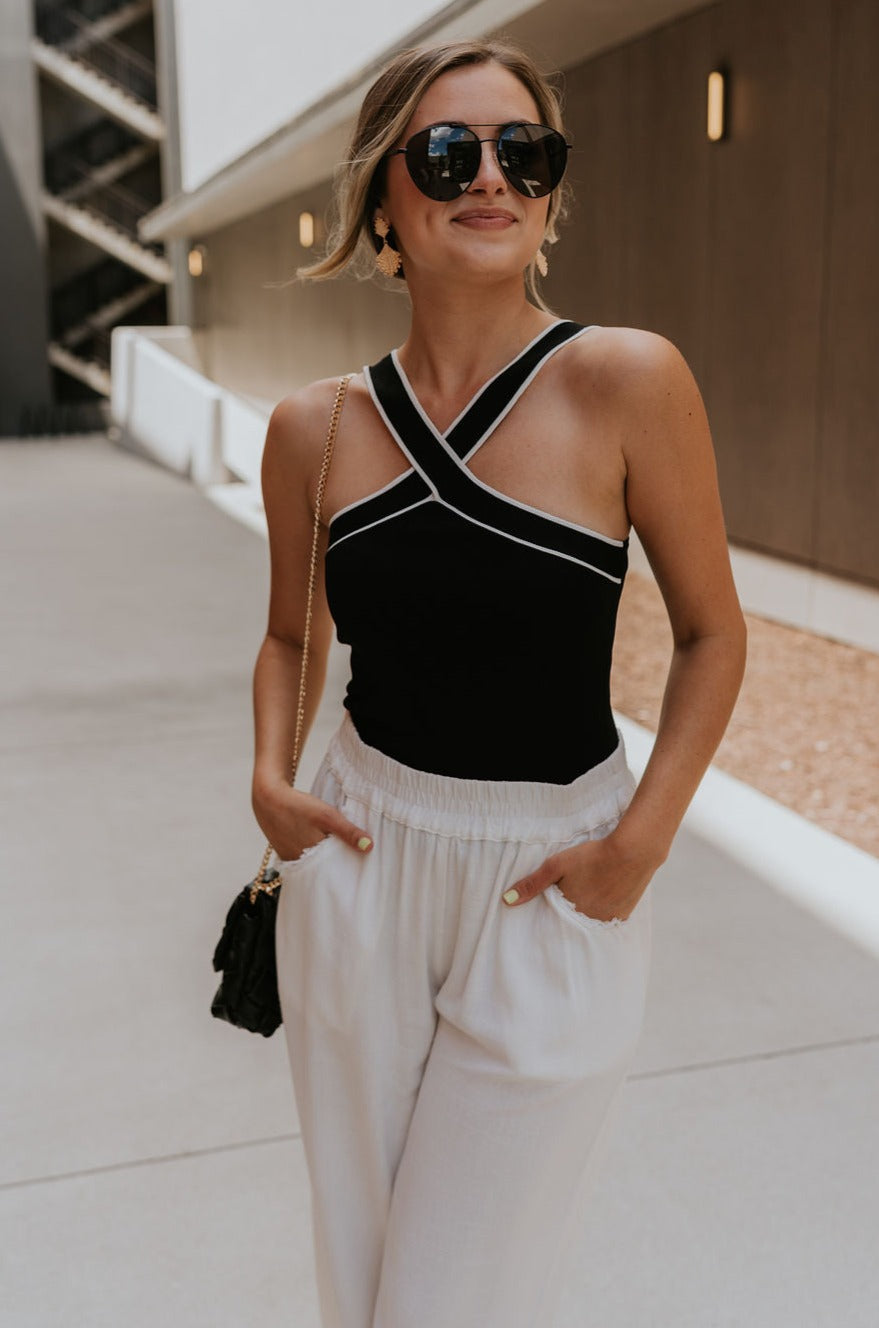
[805, 729]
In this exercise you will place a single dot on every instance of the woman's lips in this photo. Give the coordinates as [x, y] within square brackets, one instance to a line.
[486, 220]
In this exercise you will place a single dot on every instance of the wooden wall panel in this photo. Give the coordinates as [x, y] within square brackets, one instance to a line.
[636, 252]
[769, 199]
[847, 535]
[586, 278]
[667, 237]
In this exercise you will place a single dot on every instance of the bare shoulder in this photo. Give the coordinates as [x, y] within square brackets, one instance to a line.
[647, 388]
[295, 440]
[297, 425]
[629, 363]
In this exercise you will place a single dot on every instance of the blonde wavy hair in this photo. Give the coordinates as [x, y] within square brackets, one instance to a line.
[387, 109]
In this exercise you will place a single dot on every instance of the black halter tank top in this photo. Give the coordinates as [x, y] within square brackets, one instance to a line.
[481, 628]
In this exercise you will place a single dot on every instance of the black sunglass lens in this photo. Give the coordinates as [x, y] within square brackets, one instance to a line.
[533, 158]
[443, 160]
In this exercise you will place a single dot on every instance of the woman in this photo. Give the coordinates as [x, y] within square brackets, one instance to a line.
[464, 928]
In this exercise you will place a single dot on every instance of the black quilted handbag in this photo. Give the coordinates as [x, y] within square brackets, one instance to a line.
[245, 954]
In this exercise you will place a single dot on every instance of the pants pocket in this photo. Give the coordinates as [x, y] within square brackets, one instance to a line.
[569, 910]
[565, 907]
[329, 922]
[326, 787]
[289, 866]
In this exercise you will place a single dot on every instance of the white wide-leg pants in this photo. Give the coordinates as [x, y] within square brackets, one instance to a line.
[454, 1060]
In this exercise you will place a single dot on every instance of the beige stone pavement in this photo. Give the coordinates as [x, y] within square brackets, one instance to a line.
[805, 730]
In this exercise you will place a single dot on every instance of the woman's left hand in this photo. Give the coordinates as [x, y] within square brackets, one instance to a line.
[602, 878]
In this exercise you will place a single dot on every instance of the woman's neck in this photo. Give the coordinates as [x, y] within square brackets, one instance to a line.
[458, 339]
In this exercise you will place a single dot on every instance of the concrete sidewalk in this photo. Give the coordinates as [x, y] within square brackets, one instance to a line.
[152, 1170]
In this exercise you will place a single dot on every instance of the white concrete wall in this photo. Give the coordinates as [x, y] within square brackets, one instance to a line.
[163, 406]
[245, 69]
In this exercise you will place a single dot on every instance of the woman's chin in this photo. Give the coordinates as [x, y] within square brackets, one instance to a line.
[478, 263]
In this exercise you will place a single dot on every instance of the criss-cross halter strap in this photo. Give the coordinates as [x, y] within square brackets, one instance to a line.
[439, 464]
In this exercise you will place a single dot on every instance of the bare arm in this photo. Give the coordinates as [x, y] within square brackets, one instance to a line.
[673, 503]
[291, 819]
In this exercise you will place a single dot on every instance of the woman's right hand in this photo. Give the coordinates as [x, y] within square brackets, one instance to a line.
[293, 821]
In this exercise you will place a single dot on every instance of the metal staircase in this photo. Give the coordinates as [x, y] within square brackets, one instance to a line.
[87, 308]
[69, 48]
[98, 181]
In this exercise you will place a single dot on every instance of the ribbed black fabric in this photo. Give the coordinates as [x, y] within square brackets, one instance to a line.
[481, 629]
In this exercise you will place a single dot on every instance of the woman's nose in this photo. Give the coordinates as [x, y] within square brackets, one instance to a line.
[489, 176]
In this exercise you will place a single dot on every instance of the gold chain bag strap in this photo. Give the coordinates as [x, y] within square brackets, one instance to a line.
[273, 882]
[248, 992]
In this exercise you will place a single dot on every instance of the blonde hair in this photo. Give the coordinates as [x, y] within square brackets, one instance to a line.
[387, 109]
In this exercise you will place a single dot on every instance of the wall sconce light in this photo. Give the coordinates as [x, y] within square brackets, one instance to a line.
[196, 260]
[717, 81]
[306, 229]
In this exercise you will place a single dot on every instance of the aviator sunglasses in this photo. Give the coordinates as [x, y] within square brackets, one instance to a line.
[444, 159]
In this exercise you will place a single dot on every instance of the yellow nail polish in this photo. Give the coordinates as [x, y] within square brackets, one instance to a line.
[364, 842]
[511, 896]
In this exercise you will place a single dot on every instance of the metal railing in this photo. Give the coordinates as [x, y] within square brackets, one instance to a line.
[74, 302]
[97, 347]
[92, 10]
[70, 33]
[63, 417]
[92, 146]
[113, 204]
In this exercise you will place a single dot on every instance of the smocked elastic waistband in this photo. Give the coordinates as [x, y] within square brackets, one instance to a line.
[514, 809]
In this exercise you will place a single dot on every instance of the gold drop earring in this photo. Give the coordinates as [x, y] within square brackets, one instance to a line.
[388, 259]
[541, 263]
